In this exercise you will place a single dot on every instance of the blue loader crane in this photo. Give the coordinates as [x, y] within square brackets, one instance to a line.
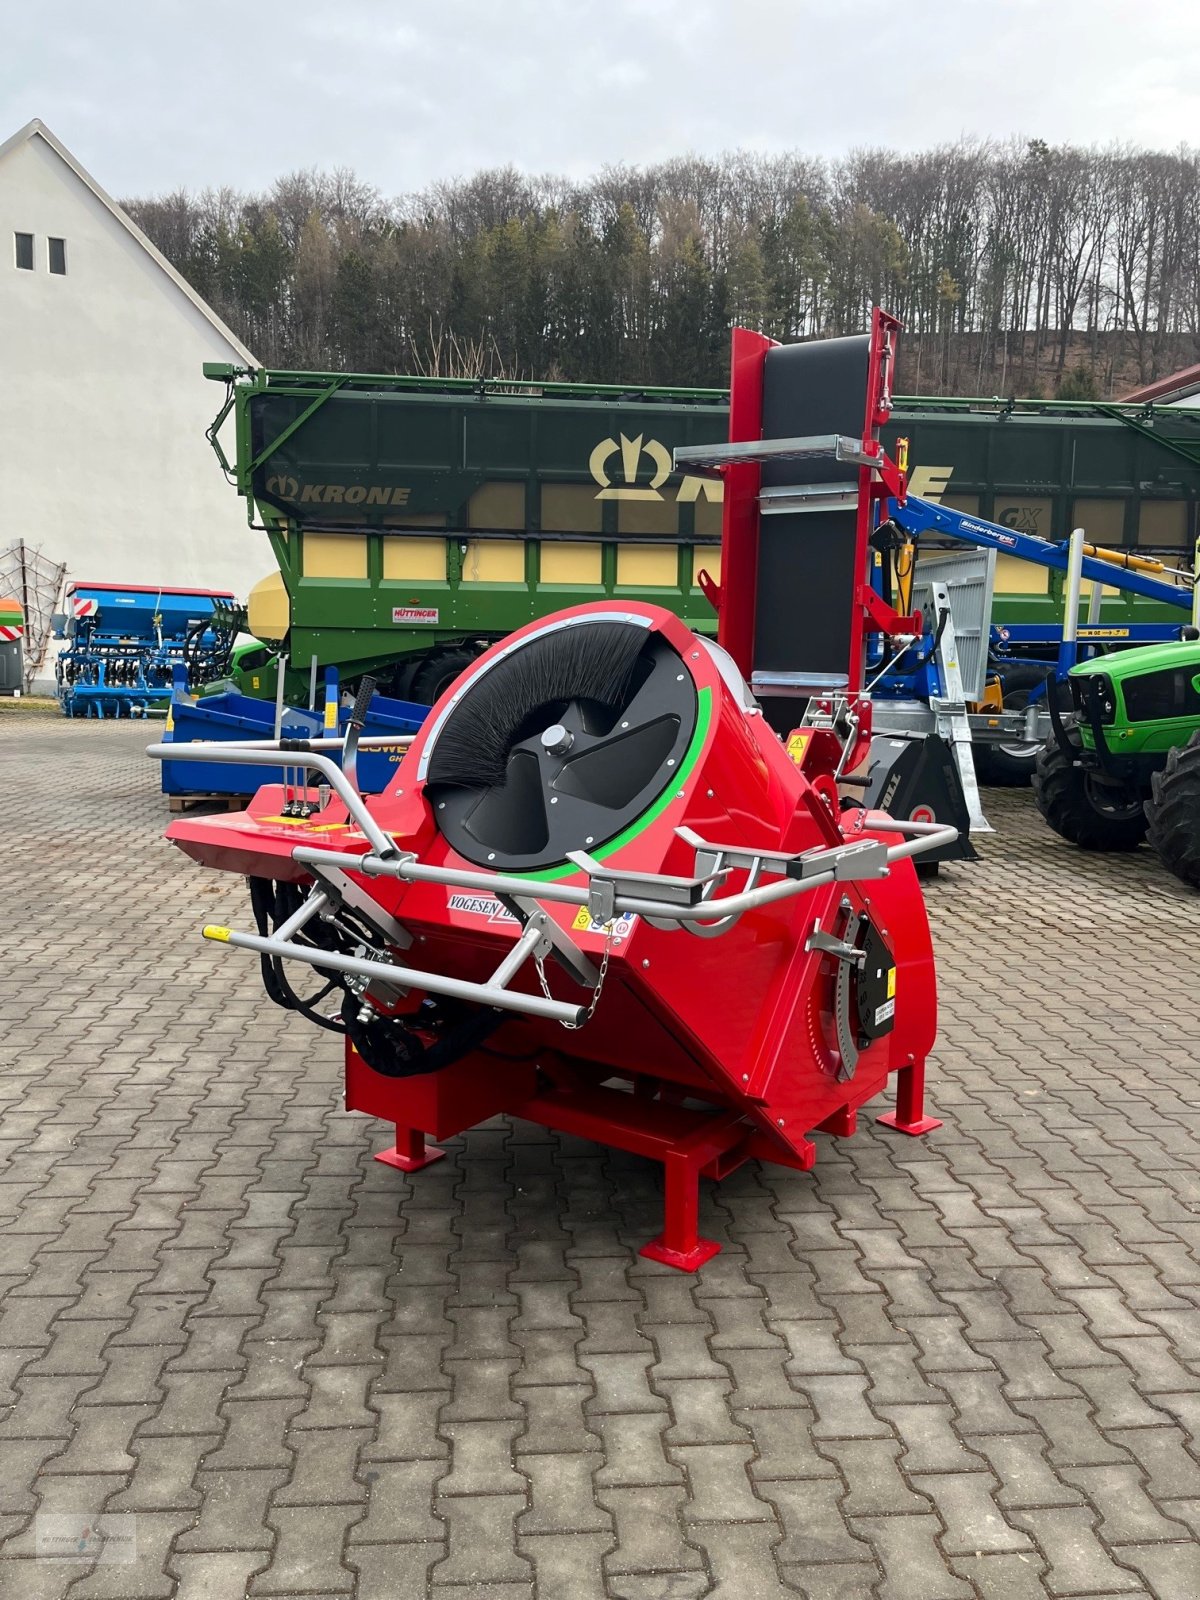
[920, 689]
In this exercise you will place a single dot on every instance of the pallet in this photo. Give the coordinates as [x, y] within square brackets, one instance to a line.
[181, 803]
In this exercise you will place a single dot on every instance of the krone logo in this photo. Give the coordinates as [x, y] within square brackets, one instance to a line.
[631, 453]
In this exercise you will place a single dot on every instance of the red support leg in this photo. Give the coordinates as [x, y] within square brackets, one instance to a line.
[909, 1115]
[679, 1244]
[843, 1123]
[410, 1153]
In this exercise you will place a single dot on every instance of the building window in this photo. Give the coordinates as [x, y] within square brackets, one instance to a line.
[24, 249]
[58, 256]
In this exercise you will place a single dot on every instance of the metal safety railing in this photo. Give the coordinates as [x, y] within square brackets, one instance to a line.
[667, 902]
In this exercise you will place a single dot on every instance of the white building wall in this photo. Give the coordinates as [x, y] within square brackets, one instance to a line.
[103, 406]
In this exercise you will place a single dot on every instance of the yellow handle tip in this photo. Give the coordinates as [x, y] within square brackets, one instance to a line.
[214, 932]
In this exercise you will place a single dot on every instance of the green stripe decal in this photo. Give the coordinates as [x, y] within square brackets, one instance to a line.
[652, 814]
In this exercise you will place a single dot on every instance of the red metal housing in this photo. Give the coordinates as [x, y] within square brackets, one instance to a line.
[702, 1051]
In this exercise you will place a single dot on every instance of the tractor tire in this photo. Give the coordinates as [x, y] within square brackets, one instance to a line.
[1011, 766]
[1173, 813]
[1092, 815]
[433, 677]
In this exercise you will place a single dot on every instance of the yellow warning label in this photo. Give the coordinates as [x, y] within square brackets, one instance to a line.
[1104, 633]
[169, 725]
[619, 928]
[797, 745]
[331, 714]
[891, 994]
[303, 822]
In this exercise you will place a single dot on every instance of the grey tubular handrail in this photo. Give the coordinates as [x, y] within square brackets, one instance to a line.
[924, 836]
[486, 994]
[374, 741]
[384, 848]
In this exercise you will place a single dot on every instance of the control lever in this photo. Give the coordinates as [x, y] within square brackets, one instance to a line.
[358, 718]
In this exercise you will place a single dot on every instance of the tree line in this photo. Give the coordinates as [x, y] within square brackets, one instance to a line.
[1017, 268]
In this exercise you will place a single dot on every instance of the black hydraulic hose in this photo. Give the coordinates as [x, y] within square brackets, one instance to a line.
[272, 904]
[264, 902]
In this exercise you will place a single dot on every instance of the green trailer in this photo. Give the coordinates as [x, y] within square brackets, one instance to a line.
[413, 520]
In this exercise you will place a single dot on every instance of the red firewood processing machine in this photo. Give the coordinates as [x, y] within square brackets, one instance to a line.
[601, 892]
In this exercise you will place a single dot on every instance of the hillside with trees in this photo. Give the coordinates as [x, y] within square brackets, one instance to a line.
[1017, 269]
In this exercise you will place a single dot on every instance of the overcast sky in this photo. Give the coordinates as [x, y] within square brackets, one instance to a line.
[151, 95]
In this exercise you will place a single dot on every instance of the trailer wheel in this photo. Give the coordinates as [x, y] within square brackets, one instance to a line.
[1011, 766]
[1173, 813]
[433, 677]
[1093, 815]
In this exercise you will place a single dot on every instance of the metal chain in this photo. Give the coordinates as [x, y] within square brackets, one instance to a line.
[573, 1027]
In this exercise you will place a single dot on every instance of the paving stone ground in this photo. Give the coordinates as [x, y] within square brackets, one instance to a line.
[964, 1366]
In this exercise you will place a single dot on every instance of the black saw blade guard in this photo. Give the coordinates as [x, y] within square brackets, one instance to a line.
[561, 744]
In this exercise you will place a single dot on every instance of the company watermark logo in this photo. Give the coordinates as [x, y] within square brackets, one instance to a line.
[102, 1539]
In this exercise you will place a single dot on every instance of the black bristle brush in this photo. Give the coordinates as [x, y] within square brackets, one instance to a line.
[588, 661]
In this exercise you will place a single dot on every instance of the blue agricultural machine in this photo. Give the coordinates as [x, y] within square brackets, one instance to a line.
[382, 729]
[124, 642]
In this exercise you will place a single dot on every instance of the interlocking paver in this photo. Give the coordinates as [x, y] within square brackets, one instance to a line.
[386, 1572]
[912, 1561]
[875, 1486]
[146, 1577]
[814, 1524]
[165, 1474]
[307, 1557]
[407, 1428]
[323, 1468]
[233, 1510]
[214, 1576]
[1165, 1456]
[554, 1420]
[719, 1488]
[1079, 1563]
[482, 1548]
[400, 1503]
[634, 1452]
[1171, 1571]
[649, 1539]
[567, 1566]
[622, 1384]
[562, 1496]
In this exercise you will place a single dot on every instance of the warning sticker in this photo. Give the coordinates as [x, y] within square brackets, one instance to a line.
[480, 905]
[797, 745]
[892, 984]
[617, 929]
[422, 616]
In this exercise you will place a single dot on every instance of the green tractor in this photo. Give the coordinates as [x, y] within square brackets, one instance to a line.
[1123, 765]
